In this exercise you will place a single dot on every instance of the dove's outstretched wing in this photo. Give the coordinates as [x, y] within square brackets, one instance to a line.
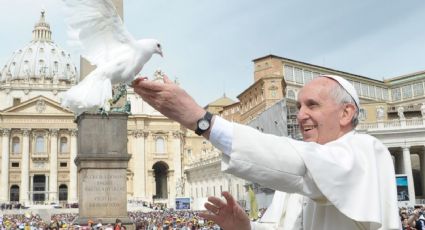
[100, 29]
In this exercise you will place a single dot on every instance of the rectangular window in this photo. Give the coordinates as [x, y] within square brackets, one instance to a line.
[379, 93]
[407, 91]
[298, 75]
[385, 94]
[365, 90]
[316, 74]
[308, 76]
[63, 164]
[357, 87]
[396, 94]
[16, 101]
[289, 73]
[418, 89]
[372, 91]
[15, 164]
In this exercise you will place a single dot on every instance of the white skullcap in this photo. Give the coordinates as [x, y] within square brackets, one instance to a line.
[347, 86]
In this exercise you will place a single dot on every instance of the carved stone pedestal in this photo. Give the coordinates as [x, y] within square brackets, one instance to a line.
[102, 162]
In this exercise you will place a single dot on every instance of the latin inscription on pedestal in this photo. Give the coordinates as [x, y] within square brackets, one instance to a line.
[104, 192]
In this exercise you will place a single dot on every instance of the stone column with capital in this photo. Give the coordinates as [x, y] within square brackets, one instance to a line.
[139, 161]
[407, 169]
[73, 168]
[4, 186]
[24, 191]
[177, 161]
[53, 165]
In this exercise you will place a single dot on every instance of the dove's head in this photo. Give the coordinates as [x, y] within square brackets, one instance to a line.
[151, 45]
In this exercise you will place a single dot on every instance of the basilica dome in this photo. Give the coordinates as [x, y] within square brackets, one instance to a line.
[41, 61]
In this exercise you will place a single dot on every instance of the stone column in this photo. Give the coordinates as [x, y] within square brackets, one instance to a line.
[4, 190]
[139, 161]
[53, 186]
[177, 161]
[73, 168]
[171, 188]
[422, 167]
[151, 181]
[407, 169]
[31, 189]
[25, 167]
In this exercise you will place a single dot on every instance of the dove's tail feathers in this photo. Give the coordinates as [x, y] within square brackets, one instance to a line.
[89, 95]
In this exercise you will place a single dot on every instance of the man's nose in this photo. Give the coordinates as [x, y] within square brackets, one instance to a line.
[302, 114]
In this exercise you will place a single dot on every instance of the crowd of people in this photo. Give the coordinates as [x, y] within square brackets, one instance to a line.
[153, 220]
[413, 218]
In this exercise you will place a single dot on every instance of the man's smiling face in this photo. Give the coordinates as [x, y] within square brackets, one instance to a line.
[319, 114]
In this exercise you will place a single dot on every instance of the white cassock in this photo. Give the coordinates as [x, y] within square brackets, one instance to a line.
[284, 213]
[349, 182]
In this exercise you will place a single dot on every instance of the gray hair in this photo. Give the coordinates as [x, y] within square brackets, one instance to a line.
[341, 96]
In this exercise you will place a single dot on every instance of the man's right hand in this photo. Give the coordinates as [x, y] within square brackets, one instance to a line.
[228, 215]
[170, 100]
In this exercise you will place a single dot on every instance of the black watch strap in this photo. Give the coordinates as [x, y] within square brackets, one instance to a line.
[207, 117]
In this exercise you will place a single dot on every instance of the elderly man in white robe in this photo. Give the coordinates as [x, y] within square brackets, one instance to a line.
[347, 178]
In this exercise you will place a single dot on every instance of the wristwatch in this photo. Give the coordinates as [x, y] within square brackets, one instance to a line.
[204, 123]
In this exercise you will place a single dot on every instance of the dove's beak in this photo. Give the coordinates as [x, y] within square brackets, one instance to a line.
[160, 53]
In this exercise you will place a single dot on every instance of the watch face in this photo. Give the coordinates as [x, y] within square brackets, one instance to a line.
[204, 124]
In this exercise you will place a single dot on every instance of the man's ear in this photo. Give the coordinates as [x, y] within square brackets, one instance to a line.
[347, 115]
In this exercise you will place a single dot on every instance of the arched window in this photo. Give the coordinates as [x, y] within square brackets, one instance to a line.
[64, 145]
[14, 193]
[63, 192]
[39, 144]
[16, 145]
[160, 145]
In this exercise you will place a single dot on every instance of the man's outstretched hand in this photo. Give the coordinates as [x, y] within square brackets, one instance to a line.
[228, 215]
[170, 100]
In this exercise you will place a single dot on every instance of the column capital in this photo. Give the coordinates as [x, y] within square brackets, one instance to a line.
[6, 132]
[138, 133]
[146, 133]
[177, 134]
[74, 132]
[26, 132]
[54, 132]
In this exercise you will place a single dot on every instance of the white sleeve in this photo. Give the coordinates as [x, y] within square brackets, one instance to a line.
[269, 160]
[221, 135]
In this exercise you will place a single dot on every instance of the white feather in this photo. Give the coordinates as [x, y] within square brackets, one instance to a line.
[108, 45]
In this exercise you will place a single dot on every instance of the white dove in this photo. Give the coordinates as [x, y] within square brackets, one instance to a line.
[107, 44]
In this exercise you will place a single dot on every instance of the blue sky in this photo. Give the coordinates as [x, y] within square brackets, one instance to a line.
[209, 45]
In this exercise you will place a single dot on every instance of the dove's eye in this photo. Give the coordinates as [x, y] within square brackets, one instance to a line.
[158, 45]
